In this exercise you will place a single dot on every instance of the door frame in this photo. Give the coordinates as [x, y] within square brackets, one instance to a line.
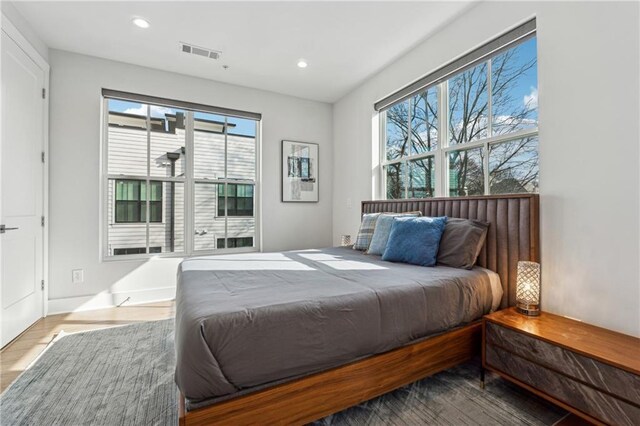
[10, 30]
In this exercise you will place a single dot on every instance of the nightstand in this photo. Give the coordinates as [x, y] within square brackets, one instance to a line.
[587, 370]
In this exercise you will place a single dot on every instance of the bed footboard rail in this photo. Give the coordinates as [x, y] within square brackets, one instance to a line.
[310, 398]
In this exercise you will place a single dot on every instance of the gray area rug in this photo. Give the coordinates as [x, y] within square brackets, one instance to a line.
[124, 376]
[454, 398]
[115, 376]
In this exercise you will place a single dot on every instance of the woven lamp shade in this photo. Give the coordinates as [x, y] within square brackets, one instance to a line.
[528, 288]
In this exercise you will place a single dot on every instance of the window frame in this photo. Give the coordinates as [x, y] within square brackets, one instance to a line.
[188, 180]
[443, 148]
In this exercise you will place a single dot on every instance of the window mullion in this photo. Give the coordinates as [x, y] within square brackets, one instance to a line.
[226, 185]
[489, 101]
[237, 181]
[142, 177]
[485, 166]
[407, 164]
[189, 189]
[416, 157]
[443, 132]
[382, 155]
[147, 180]
[467, 145]
[486, 148]
[106, 218]
[520, 134]
[495, 140]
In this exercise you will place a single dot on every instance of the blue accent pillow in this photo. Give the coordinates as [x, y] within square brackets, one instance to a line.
[415, 240]
[383, 229]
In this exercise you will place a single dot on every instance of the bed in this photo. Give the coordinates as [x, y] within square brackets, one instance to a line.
[293, 336]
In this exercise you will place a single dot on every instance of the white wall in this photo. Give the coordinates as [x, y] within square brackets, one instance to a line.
[588, 68]
[76, 83]
[18, 21]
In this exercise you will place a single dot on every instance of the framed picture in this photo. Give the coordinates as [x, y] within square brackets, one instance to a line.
[299, 172]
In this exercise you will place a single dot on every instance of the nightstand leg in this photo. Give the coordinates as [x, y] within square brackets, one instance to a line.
[481, 377]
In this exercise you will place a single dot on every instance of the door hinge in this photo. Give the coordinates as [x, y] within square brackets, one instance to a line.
[44, 93]
[42, 220]
[42, 156]
[42, 285]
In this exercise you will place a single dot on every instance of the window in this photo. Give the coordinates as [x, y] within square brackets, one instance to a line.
[235, 242]
[237, 200]
[135, 250]
[178, 176]
[469, 132]
[131, 197]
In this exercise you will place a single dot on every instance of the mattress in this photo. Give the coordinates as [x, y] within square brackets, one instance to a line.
[244, 321]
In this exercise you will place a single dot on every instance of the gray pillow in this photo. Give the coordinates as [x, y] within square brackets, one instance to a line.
[461, 242]
[365, 233]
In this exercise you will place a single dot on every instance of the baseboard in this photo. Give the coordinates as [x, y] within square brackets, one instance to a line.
[109, 299]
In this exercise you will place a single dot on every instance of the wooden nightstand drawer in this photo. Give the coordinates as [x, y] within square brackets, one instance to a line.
[623, 384]
[590, 371]
[583, 397]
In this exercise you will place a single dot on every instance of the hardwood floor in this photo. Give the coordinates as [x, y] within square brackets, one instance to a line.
[18, 354]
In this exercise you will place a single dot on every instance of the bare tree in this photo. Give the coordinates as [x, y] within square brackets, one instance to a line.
[397, 147]
[513, 165]
[422, 138]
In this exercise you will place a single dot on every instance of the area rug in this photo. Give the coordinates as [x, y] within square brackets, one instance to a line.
[116, 376]
[124, 376]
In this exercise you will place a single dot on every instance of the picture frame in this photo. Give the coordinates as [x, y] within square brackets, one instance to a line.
[299, 170]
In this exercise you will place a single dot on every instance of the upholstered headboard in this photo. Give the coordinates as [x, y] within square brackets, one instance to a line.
[514, 233]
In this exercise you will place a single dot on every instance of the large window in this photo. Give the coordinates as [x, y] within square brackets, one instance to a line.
[474, 132]
[178, 178]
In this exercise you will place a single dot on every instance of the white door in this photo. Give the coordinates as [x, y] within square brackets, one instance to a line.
[21, 183]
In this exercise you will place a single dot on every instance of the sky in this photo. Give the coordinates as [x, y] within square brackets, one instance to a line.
[242, 126]
[526, 88]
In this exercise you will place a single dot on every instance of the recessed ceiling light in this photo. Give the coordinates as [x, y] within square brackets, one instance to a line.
[140, 22]
[302, 63]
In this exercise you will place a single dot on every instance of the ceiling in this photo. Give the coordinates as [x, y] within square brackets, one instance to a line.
[261, 42]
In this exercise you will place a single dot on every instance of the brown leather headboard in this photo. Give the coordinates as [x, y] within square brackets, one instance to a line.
[514, 233]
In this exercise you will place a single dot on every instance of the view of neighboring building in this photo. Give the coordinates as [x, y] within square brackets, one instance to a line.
[223, 170]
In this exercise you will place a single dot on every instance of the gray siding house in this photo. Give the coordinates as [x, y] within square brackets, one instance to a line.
[127, 196]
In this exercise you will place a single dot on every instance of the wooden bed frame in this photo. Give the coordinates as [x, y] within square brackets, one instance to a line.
[513, 235]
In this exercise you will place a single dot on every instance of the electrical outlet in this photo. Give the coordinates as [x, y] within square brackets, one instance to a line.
[349, 202]
[77, 276]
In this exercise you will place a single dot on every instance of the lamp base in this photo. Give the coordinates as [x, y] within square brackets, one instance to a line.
[529, 310]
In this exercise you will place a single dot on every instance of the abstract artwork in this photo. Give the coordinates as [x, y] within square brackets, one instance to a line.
[299, 172]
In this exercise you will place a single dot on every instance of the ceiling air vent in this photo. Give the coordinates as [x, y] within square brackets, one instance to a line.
[200, 51]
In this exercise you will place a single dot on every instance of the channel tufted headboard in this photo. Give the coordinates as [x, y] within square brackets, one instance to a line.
[514, 233]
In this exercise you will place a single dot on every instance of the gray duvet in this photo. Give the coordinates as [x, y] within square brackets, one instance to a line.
[247, 320]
